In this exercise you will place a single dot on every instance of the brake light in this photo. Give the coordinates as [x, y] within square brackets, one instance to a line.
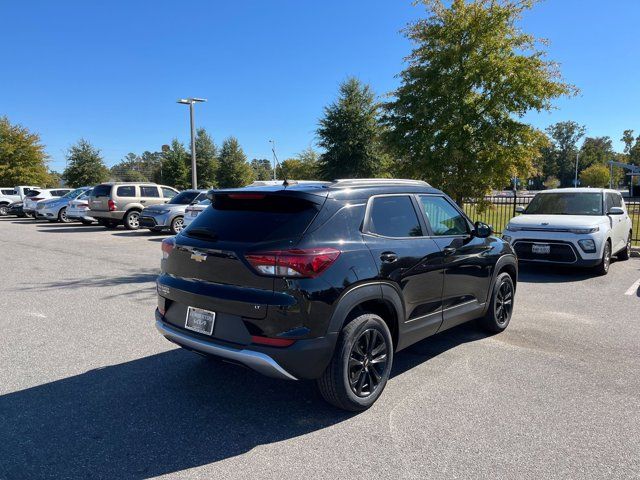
[272, 342]
[112, 205]
[167, 246]
[309, 262]
[36, 199]
[247, 196]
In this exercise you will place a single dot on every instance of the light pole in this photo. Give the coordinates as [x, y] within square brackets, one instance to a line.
[575, 181]
[191, 102]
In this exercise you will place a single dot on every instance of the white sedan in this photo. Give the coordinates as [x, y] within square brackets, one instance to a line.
[572, 226]
[192, 211]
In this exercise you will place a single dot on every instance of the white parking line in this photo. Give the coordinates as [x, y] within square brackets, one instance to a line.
[633, 288]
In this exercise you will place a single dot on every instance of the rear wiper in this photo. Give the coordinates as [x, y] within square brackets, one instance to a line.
[202, 233]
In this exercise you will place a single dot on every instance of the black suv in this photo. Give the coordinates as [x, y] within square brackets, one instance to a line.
[327, 280]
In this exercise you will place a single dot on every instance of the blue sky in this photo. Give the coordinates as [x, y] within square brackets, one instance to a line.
[111, 71]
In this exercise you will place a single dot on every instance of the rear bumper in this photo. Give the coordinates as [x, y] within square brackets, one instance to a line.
[115, 215]
[305, 359]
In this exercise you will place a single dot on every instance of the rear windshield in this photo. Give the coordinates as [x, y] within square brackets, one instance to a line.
[102, 191]
[184, 198]
[32, 193]
[258, 218]
[74, 193]
[566, 204]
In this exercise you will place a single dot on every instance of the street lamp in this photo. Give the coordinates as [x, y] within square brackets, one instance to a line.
[191, 102]
[575, 181]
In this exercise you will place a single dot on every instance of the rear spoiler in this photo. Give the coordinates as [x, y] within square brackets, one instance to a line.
[318, 197]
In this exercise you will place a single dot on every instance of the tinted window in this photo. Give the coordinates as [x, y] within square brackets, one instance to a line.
[8, 192]
[183, 198]
[149, 191]
[565, 204]
[251, 220]
[443, 217]
[59, 193]
[102, 191]
[32, 193]
[168, 193]
[75, 193]
[617, 200]
[126, 191]
[394, 216]
[608, 201]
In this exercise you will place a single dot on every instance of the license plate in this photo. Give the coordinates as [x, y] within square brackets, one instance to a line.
[541, 248]
[199, 320]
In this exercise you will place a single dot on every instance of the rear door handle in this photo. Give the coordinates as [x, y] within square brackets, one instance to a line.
[388, 257]
[449, 251]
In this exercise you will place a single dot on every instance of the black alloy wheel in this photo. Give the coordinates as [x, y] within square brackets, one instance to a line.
[367, 362]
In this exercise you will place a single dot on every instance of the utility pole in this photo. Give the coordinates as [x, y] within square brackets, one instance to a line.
[575, 181]
[275, 158]
[191, 102]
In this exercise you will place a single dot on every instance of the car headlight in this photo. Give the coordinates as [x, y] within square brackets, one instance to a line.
[583, 231]
[506, 238]
[588, 245]
[512, 228]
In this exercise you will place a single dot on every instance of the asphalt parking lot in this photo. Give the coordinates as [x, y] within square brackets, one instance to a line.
[88, 389]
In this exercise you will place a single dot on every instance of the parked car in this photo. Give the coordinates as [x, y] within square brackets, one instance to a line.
[328, 281]
[22, 190]
[9, 195]
[572, 226]
[192, 211]
[55, 209]
[34, 196]
[170, 215]
[16, 209]
[121, 202]
[79, 207]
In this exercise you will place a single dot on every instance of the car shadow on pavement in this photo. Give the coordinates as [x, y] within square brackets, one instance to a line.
[70, 228]
[554, 273]
[140, 233]
[152, 416]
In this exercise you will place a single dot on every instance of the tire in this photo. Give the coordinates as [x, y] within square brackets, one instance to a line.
[4, 210]
[132, 220]
[351, 369]
[625, 253]
[177, 224]
[603, 267]
[500, 308]
[62, 216]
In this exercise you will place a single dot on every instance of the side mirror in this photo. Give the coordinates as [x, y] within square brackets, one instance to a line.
[211, 195]
[482, 230]
[615, 211]
[519, 209]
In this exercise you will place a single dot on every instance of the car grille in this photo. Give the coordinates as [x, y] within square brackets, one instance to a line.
[559, 252]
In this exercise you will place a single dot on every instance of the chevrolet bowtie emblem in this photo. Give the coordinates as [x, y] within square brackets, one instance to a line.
[198, 256]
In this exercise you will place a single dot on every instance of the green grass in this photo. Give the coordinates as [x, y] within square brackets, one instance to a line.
[498, 215]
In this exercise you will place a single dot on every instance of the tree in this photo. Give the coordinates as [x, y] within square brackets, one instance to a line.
[596, 151]
[22, 156]
[262, 169]
[85, 165]
[472, 76]
[596, 175]
[206, 159]
[551, 182]
[174, 165]
[303, 166]
[54, 179]
[350, 133]
[233, 171]
[559, 158]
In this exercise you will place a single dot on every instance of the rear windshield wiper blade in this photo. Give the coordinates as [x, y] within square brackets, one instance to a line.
[202, 233]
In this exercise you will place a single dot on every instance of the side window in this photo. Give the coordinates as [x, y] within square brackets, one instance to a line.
[617, 200]
[394, 216]
[126, 191]
[149, 191]
[443, 217]
[167, 192]
[608, 201]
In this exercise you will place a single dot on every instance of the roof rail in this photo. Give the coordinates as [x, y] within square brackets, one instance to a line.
[378, 181]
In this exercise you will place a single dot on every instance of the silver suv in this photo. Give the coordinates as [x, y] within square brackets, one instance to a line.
[160, 217]
[114, 203]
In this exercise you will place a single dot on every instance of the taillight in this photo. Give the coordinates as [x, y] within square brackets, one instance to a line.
[167, 246]
[112, 205]
[36, 199]
[272, 342]
[309, 262]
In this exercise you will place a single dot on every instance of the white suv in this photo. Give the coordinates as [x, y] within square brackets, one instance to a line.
[574, 226]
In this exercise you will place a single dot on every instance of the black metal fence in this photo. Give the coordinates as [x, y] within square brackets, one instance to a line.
[501, 209]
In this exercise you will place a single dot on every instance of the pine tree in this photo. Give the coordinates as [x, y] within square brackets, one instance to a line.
[85, 165]
[351, 135]
[206, 159]
[22, 156]
[174, 165]
[233, 170]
